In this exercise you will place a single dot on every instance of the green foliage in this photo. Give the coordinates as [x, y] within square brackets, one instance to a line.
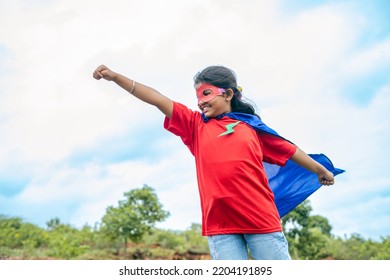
[53, 223]
[134, 216]
[171, 240]
[5, 252]
[384, 249]
[193, 236]
[187, 241]
[67, 242]
[17, 234]
[309, 236]
[354, 248]
[168, 242]
[321, 223]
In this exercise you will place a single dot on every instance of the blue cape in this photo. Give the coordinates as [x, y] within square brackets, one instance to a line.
[291, 184]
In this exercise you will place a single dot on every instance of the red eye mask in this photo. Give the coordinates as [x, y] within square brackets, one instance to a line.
[207, 92]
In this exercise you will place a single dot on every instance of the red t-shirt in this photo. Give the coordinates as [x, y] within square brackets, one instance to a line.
[233, 186]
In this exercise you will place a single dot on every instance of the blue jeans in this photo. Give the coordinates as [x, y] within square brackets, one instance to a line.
[269, 246]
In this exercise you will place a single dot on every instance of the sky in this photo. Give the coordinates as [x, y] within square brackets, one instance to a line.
[70, 146]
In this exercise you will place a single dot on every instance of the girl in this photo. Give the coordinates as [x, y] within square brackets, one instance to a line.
[231, 147]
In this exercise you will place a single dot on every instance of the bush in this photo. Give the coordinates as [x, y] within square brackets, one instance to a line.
[66, 242]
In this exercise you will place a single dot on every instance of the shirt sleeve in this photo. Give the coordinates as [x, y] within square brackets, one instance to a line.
[276, 150]
[182, 124]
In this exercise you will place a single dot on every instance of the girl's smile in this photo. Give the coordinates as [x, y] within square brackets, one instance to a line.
[212, 101]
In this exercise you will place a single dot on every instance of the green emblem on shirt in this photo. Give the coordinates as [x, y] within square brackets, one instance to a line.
[229, 128]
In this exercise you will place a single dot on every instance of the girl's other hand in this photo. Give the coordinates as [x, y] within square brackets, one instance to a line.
[326, 178]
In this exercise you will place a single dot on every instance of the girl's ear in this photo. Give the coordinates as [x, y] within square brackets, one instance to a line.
[229, 94]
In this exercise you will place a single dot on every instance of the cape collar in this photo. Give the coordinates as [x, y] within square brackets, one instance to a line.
[252, 120]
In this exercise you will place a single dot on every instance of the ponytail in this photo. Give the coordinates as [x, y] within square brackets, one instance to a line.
[240, 106]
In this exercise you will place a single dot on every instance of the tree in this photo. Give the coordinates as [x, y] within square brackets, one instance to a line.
[134, 216]
[321, 223]
[297, 219]
[53, 223]
[307, 235]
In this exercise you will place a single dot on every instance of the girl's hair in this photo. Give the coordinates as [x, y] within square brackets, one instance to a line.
[225, 78]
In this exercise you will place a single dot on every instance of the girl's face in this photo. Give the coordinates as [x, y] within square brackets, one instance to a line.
[212, 101]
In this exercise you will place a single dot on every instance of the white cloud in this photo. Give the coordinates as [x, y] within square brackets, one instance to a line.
[367, 60]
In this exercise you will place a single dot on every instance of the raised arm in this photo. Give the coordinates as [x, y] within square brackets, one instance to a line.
[324, 176]
[142, 92]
